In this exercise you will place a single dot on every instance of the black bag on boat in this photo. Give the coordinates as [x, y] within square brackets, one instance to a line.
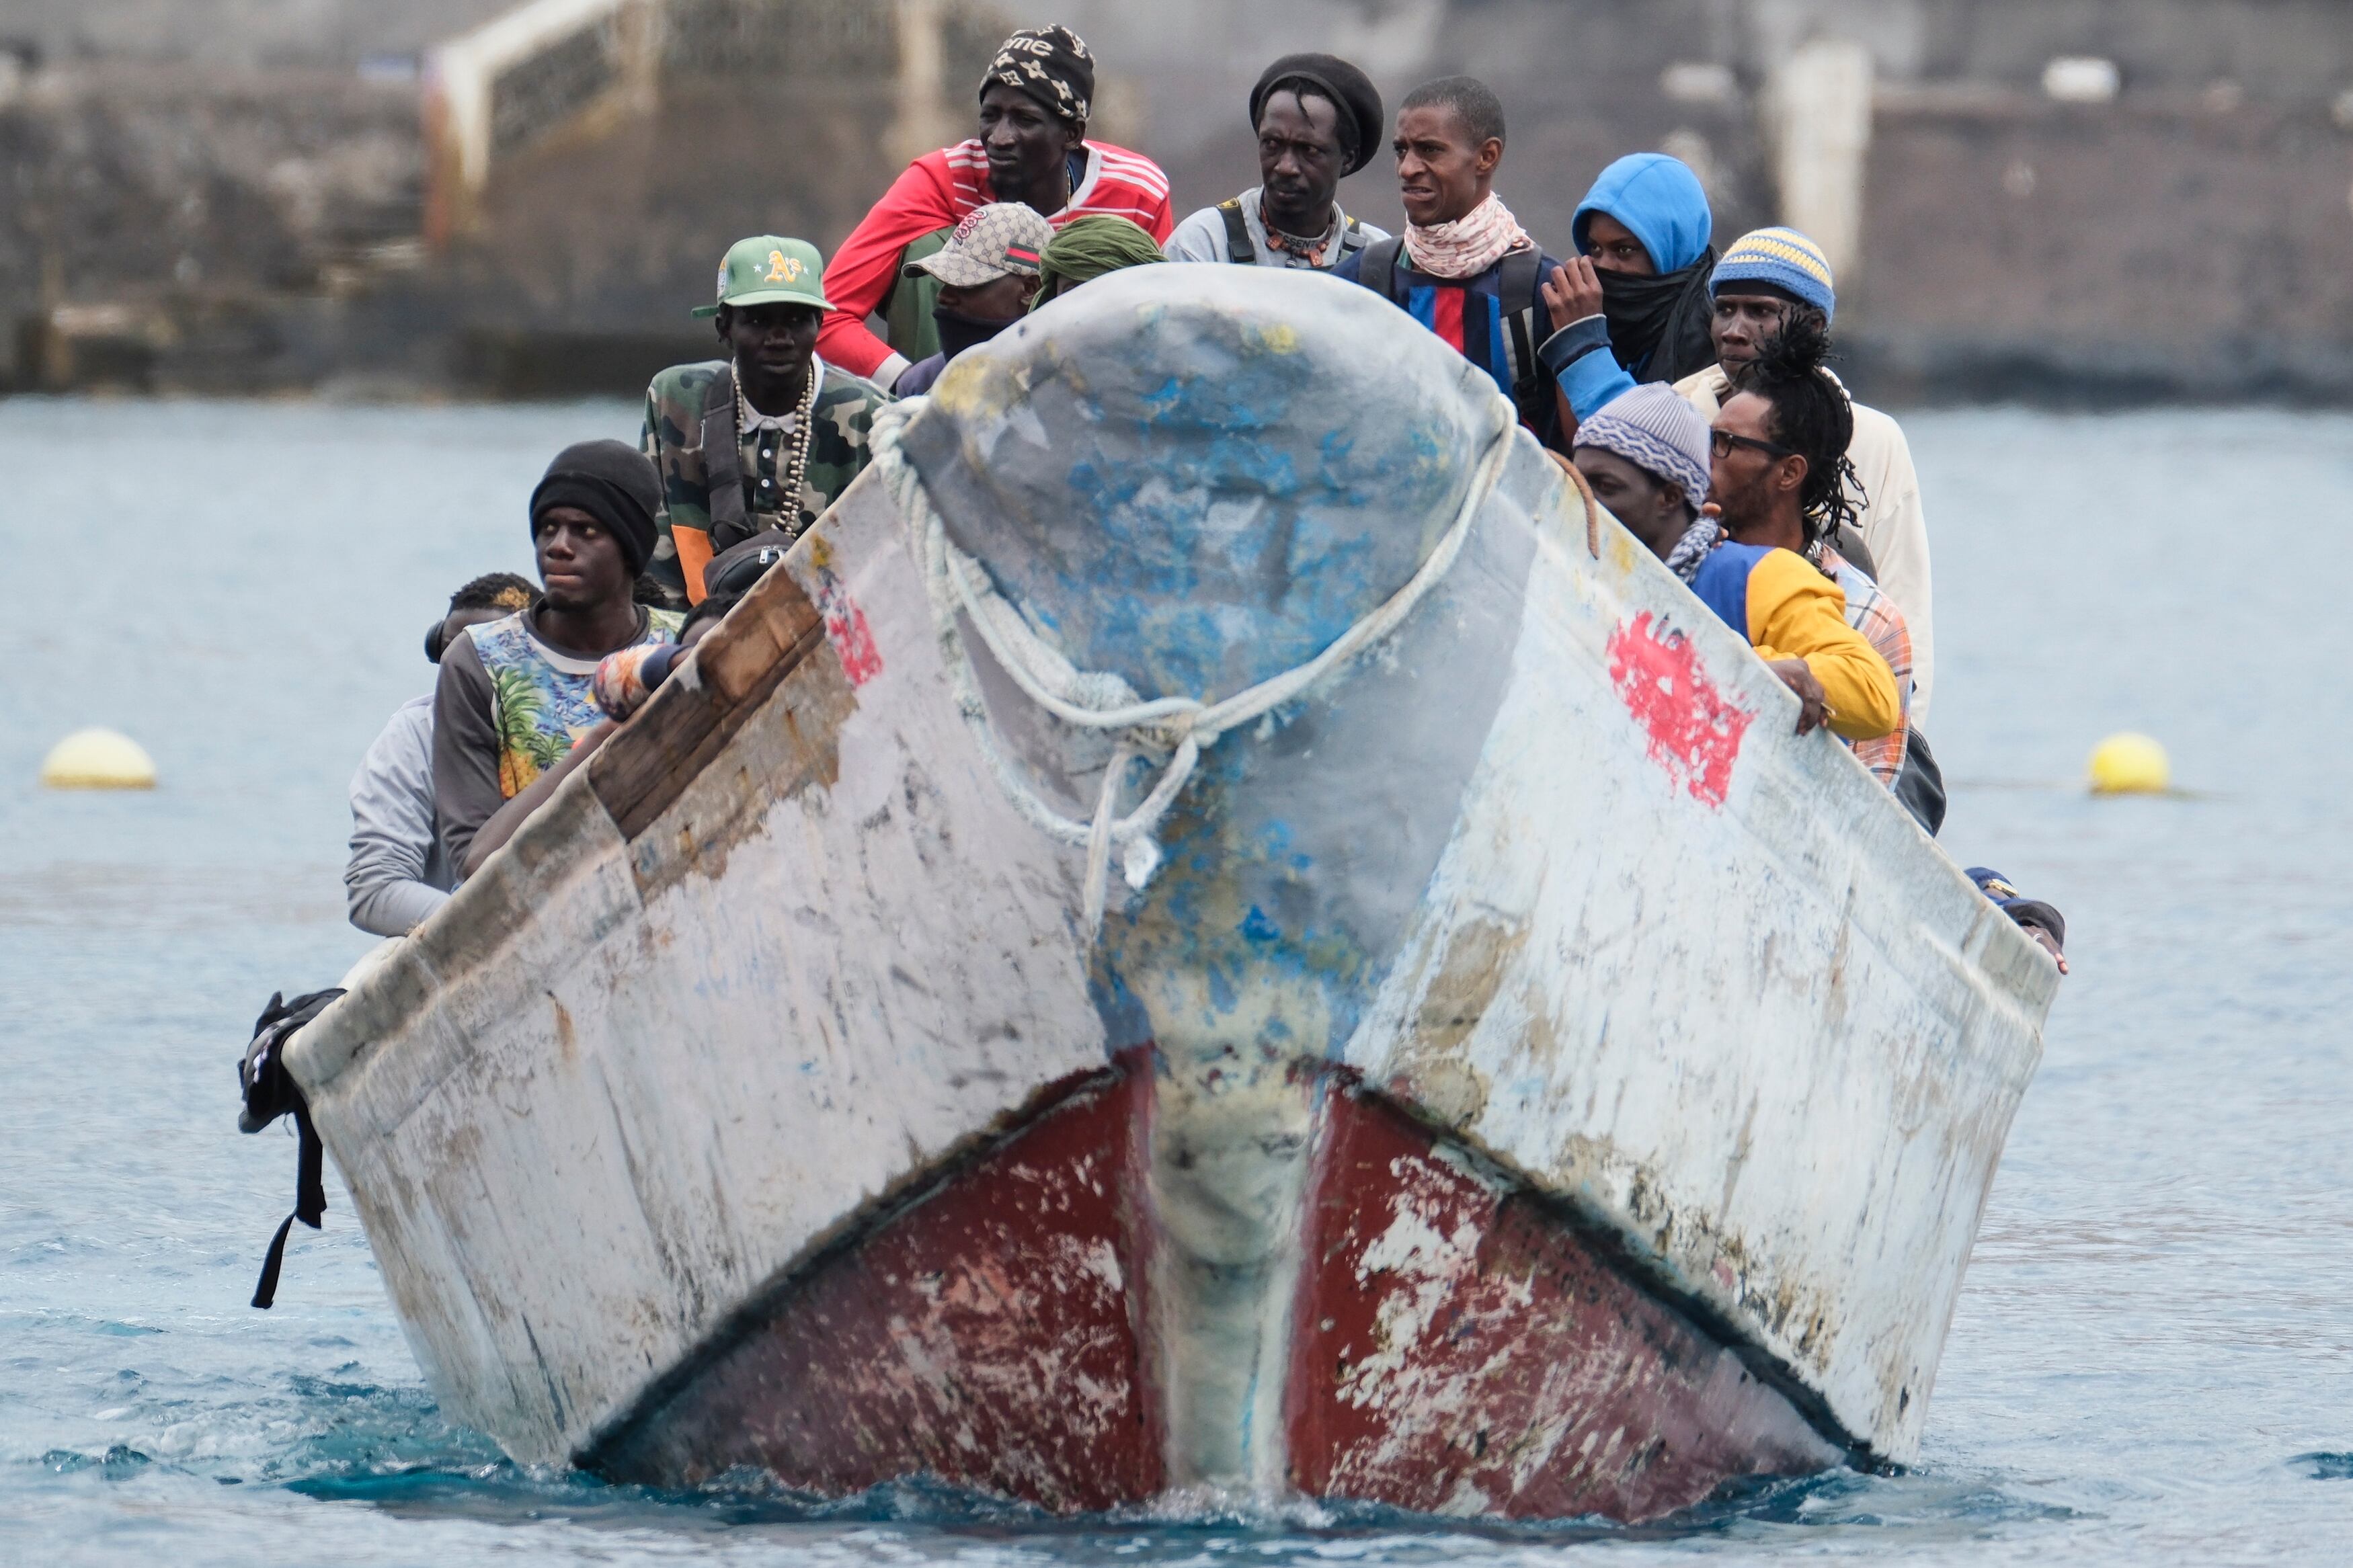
[269, 1093]
[1920, 784]
[736, 568]
[1850, 545]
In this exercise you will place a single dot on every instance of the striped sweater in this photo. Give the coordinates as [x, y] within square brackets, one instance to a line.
[936, 191]
[1469, 315]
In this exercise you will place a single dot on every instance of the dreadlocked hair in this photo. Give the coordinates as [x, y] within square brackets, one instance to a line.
[1813, 417]
[494, 591]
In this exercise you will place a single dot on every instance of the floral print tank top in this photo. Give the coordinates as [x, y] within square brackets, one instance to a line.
[543, 700]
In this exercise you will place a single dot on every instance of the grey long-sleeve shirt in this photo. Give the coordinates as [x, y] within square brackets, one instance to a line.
[398, 873]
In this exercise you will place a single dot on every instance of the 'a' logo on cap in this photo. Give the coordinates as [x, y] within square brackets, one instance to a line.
[782, 269]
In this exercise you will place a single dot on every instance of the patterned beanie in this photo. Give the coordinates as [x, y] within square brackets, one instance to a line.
[1654, 429]
[1051, 64]
[1784, 258]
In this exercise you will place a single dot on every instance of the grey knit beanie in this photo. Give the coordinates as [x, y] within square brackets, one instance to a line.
[1654, 429]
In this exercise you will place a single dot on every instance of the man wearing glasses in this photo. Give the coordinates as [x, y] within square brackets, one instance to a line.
[1766, 280]
[1648, 458]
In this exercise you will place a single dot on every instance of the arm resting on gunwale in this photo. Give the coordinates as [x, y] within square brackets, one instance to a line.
[1795, 612]
[505, 822]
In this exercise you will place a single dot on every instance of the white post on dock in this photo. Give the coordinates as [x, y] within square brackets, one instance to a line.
[920, 121]
[1818, 125]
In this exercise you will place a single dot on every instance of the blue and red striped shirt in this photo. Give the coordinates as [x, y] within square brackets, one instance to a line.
[1467, 314]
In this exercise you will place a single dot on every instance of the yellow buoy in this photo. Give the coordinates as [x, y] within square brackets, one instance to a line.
[2131, 764]
[98, 759]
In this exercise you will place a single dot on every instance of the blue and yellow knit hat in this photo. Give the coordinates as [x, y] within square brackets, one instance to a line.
[1783, 257]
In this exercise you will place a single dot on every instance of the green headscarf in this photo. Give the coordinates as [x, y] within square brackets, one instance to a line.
[1086, 248]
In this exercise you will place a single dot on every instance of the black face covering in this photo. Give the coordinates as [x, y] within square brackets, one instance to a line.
[959, 331]
[1658, 326]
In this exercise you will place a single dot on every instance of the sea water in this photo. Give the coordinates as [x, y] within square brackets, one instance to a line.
[2153, 1356]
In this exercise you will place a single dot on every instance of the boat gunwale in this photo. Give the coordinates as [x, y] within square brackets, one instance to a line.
[651, 761]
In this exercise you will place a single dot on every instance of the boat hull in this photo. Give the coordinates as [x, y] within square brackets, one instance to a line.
[1461, 1347]
[1534, 1081]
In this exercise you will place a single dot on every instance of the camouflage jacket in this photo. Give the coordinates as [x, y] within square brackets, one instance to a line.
[672, 437]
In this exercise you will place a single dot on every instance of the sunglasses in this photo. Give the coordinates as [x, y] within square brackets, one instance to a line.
[1722, 442]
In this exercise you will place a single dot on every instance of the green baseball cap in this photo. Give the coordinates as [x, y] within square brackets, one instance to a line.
[768, 270]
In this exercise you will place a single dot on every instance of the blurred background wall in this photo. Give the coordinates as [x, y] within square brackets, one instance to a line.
[2083, 200]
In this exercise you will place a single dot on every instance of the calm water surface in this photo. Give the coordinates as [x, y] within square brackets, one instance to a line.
[2153, 1359]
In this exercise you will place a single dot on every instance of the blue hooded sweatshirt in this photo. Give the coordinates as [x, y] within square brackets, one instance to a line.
[1660, 201]
[1654, 328]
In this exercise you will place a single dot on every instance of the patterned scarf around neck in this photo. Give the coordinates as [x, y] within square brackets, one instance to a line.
[1704, 535]
[1470, 245]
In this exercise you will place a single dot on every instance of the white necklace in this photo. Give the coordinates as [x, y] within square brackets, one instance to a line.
[797, 461]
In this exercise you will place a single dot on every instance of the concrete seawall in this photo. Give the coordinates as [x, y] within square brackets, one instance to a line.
[242, 209]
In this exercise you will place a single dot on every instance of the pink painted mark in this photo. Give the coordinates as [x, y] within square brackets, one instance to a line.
[845, 629]
[1694, 731]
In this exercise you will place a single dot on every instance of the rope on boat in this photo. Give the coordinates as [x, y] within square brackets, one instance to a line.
[1101, 701]
[1568, 472]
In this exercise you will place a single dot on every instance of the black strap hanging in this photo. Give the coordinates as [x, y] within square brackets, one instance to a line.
[269, 1092]
[723, 464]
[1531, 389]
[309, 1206]
[1378, 272]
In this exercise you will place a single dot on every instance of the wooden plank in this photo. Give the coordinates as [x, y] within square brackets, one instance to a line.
[643, 769]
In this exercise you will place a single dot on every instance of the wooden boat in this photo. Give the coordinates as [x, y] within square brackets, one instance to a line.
[1515, 1075]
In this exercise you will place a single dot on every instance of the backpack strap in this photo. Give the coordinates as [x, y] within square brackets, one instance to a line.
[1530, 388]
[1239, 248]
[1352, 238]
[722, 465]
[1378, 272]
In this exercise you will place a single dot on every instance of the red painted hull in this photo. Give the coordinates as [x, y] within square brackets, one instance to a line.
[1456, 1347]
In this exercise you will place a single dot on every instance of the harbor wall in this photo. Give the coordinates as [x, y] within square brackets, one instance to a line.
[232, 196]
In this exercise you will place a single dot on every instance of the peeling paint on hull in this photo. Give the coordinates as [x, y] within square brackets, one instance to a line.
[1465, 1349]
[1458, 1349]
[1475, 1113]
[988, 1334]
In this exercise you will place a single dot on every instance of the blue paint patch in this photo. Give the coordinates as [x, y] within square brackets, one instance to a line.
[1258, 928]
[1221, 989]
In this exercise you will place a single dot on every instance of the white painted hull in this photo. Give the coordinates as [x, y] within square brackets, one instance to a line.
[711, 1026]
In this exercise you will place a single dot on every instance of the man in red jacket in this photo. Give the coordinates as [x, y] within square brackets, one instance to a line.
[1033, 149]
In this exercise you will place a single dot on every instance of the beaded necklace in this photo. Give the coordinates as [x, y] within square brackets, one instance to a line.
[1310, 250]
[797, 461]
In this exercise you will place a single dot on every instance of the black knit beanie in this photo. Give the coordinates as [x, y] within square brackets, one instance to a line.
[613, 482]
[1351, 92]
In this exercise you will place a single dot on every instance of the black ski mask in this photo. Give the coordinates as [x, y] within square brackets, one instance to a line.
[1658, 326]
[959, 331]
